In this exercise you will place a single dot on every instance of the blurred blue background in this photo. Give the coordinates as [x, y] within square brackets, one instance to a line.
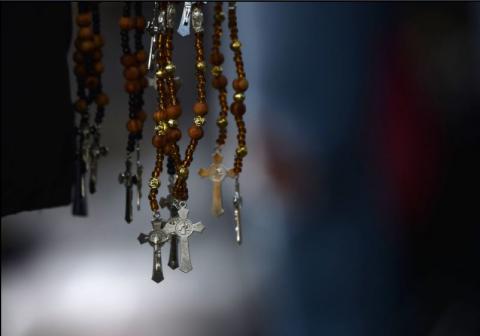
[360, 191]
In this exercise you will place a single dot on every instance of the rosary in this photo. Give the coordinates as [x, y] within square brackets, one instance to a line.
[176, 227]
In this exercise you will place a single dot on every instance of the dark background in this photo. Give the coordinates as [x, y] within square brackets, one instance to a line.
[360, 187]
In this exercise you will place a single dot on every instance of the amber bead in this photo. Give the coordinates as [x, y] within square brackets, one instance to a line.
[77, 57]
[159, 116]
[132, 86]
[102, 99]
[85, 33]
[141, 115]
[134, 126]
[80, 70]
[200, 109]
[174, 134]
[140, 23]
[91, 82]
[126, 23]
[143, 68]
[240, 84]
[98, 41]
[98, 67]
[238, 108]
[195, 132]
[84, 19]
[80, 105]
[141, 56]
[216, 58]
[97, 55]
[87, 46]
[219, 82]
[128, 60]
[174, 111]
[131, 73]
[159, 141]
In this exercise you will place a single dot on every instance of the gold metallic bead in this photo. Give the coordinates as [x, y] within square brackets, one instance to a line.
[239, 97]
[242, 151]
[161, 128]
[201, 66]
[222, 122]
[160, 73]
[154, 183]
[236, 45]
[199, 121]
[217, 70]
[182, 172]
[220, 16]
[170, 67]
[172, 123]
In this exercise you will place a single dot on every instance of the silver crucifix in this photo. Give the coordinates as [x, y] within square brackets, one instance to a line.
[128, 180]
[237, 204]
[156, 238]
[167, 202]
[184, 28]
[183, 228]
[138, 179]
[96, 151]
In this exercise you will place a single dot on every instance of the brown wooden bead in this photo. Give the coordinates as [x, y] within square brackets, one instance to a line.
[128, 60]
[159, 141]
[143, 68]
[91, 82]
[219, 82]
[87, 46]
[174, 134]
[141, 56]
[200, 109]
[141, 115]
[80, 105]
[132, 86]
[140, 23]
[98, 41]
[84, 19]
[80, 70]
[159, 116]
[78, 57]
[174, 111]
[134, 126]
[85, 33]
[216, 58]
[102, 99]
[131, 73]
[238, 108]
[98, 67]
[97, 55]
[195, 132]
[126, 23]
[240, 84]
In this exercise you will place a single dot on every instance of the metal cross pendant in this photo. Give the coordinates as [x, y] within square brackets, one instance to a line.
[216, 172]
[167, 202]
[184, 28]
[183, 228]
[156, 238]
[237, 204]
[127, 179]
[95, 152]
[138, 178]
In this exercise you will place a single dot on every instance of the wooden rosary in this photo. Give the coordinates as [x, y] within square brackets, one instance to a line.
[176, 227]
[88, 69]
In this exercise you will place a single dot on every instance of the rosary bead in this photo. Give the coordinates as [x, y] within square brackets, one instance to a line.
[161, 128]
[217, 58]
[217, 70]
[98, 67]
[134, 126]
[91, 82]
[240, 84]
[132, 86]
[241, 152]
[200, 109]
[140, 23]
[170, 67]
[80, 105]
[199, 121]
[85, 33]
[195, 132]
[159, 141]
[172, 123]
[235, 45]
[160, 73]
[219, 82]
[222, 122]
[141, 115]
[131, 73]
[141, 56]
[78, 57]
[126, 23]
[84, 19]
[239, 97]
[200, 66]
[174, 134]
[159, 115]
[102, 99]
[97, 55]
[98, 41]
[182, 172]
[87, 46]
[143, 68]
[174, 111]
[128, 60]
[154, 183]
[238, 108]
[80, 70]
